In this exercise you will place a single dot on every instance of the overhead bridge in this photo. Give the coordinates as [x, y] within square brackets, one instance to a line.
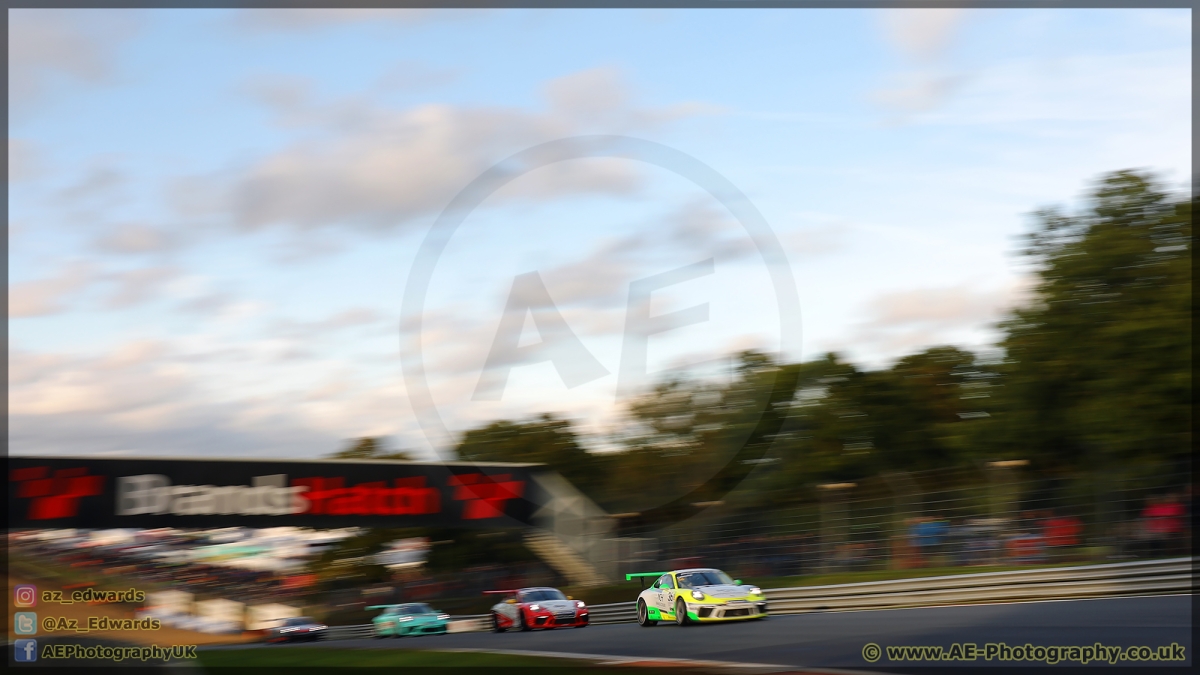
[562, 525]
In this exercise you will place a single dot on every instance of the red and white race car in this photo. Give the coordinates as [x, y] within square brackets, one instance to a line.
[529, 608]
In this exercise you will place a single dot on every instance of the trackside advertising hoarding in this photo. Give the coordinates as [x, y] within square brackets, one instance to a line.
[64, 492]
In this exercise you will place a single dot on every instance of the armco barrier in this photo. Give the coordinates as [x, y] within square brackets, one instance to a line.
[1152, 577]
[618, 612]
[469, 624]
[456, 624]
[1091, 581]
[349, 632]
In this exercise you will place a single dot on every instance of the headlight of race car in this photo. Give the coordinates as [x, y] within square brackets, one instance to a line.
[404, 618]
[697, 595]
[443, 616]
[534, 608]
[579, 603]
[756, 591]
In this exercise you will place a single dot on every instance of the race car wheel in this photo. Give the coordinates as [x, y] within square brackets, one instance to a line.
[681, 617]
[496, 627]
[644, 615]
[524, 626]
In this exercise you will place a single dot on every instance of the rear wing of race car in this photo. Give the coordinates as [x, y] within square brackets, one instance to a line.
[510, 591]
[643, 575]
[382, 606]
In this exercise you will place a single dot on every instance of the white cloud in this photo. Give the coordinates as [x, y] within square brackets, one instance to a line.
[411, 75]
[824, 236]
[124, 379]
[708, 229]
[283, 95]
[51, 295]
[24, 161]
[374, 167]
[918, 91]
[137, 238]
[922, 33]
[48, 45]
[59, 293]
[590, 95]
[194, 395]
[99, 181]
[902, 322]
[353, 317]
[134, 287]
[599, 280]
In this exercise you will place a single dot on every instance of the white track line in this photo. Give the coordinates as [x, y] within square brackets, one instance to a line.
[609, 660]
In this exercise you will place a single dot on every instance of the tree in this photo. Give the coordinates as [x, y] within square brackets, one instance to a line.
[846, 424]
[1098, 367]
[543, 440]
[370, 448]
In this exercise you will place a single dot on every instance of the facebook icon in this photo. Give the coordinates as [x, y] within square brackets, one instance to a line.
[25, 651]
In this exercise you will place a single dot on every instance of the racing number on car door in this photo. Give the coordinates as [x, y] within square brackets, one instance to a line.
[510, 611]
[666, 593]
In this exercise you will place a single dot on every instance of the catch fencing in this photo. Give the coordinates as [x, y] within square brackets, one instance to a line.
[1153, 577]
[993, 515]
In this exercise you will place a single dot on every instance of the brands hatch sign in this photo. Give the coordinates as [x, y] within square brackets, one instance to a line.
[145, 493]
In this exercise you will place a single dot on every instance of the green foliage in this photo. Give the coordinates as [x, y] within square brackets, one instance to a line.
[1098, 366]
[369, 448]
[846, 423]
[1096, 375]
[544, 440]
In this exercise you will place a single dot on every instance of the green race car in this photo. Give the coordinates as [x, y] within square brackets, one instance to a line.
[413, 618]
[697, 595]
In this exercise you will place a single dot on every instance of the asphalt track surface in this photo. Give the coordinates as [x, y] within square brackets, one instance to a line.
[836, 639]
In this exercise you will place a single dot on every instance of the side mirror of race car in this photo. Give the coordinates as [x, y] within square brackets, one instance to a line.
[511, 601]
[737, 582]
[570, 598]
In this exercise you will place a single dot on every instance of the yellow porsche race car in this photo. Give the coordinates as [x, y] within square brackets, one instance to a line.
[695, 596]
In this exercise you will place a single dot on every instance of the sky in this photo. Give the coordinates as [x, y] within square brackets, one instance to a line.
[216, 216]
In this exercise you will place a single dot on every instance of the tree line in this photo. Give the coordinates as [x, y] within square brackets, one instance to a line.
[1092, 374]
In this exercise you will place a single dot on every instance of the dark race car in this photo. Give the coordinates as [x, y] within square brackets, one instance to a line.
[297, 629]
[530, 608]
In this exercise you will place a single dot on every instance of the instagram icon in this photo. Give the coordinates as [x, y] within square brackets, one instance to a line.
[25, 595]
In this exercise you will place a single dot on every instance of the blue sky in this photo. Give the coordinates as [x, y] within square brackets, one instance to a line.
[213, 214]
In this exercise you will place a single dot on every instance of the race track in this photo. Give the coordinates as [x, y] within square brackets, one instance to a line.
[836, 640]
